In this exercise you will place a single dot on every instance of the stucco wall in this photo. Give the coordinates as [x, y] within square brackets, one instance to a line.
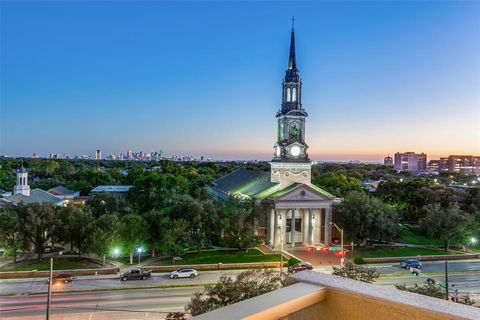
[340, 305]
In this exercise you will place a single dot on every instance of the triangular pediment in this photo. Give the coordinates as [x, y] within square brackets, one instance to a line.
[303, 193]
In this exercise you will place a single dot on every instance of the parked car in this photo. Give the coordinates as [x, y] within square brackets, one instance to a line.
[136, 274]
[411, 263]
[62, 278]
[183, 273]
[301, 266]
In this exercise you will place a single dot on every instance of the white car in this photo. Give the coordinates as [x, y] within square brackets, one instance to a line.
[183, 273]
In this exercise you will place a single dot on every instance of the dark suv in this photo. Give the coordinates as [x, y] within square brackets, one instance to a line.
[136, 274]
[411, 263]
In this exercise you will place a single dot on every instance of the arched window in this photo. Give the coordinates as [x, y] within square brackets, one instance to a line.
[294, 94]
[289, 95]
[294, 133]
[280, 131]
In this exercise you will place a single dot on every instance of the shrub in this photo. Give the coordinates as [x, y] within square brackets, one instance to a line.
[293, 261]
[358, 260]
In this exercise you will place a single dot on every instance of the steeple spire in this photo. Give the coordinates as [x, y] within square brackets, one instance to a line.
[292, 64]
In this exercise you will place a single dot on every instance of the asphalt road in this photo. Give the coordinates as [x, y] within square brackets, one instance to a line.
[39, 285]
[464, 275]
[118, 304]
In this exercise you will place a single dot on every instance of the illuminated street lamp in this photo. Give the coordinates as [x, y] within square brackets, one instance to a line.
[473, 240]
[139, 251]
[116, 252]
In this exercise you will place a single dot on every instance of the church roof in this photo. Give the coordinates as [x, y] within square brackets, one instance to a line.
[245, 183]
[36, 196]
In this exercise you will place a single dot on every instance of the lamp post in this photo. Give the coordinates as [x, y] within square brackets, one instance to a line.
[342, 260]
[139, 250]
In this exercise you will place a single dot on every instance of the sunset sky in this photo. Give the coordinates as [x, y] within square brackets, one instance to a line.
[204, 78]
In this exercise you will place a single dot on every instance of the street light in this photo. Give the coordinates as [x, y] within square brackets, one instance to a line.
[116, 252]
[139, 250]
[473, 240]
[342, 260]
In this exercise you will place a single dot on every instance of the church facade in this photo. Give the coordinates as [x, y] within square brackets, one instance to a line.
[300, 212]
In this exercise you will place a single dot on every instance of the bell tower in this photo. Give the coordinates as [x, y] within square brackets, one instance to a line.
[290, 162]
[21, 185]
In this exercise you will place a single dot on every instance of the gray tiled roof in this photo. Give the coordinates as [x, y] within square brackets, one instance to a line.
[61, 190]
[112, 189]
[36, 196]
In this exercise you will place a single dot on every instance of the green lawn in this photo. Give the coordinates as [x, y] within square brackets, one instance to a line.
[58, 264]
[411, 234]
[397, 252]
[208, 257]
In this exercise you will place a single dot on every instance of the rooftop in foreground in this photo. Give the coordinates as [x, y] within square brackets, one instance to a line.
[320, 296]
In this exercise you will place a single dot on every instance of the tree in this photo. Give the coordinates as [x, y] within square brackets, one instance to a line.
[82, 229]
[226, 291]
[446, 224]
[338, 183]
[105, 234]
[364, 217]
[132, 232]
[356, 272]
[10, 232]
[38, 224]
[192, 211]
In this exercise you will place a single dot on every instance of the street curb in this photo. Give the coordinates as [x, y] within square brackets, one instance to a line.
[9, 294]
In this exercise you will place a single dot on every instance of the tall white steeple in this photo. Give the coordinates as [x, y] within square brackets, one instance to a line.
[22, 187]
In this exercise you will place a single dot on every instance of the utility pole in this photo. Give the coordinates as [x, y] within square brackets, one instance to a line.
[446, 279]
[351, 255]
[342, 259]
[49, 297]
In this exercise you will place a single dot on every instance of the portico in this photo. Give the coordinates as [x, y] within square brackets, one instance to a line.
[300, 217]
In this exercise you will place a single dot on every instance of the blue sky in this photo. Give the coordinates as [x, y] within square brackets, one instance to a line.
[204, 78]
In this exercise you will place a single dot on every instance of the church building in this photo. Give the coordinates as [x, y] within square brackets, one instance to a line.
[300, 212]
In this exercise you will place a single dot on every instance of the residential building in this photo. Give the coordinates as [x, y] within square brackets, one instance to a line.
[410, 161]
[438, 165]
[300, 213]
[321, 296]
[464, 163]
[388, 161]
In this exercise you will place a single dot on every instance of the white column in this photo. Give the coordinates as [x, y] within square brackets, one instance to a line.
[276, 234]
[327, 226]
[292, 229]
[310, 227]
[271, 228]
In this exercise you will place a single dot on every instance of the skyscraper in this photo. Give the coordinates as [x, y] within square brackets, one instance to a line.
[98, 155]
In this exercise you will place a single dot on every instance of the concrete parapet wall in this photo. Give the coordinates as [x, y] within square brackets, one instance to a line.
[75, 272]
[423, 258]
[215, 266]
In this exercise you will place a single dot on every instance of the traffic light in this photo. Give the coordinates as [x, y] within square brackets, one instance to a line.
[415, 271]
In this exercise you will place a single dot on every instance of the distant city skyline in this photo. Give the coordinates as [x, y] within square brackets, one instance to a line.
[205, 78]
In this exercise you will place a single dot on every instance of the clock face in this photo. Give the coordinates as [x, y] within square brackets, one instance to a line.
[278, 151]
[295, 151]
